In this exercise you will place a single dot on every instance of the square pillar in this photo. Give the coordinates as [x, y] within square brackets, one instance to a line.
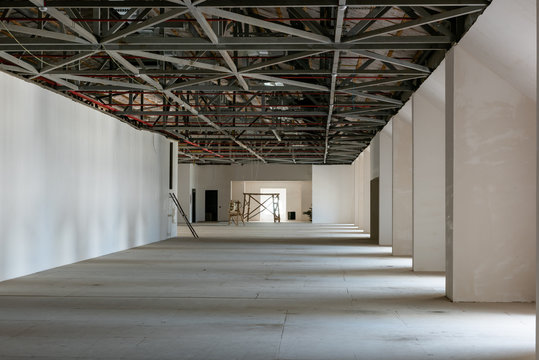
[428, 104]
[402, 181]
[385, 216]
[490, 183]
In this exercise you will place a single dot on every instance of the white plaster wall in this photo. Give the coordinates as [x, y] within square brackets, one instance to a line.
[218, 177]
[362, 190]
[358, 192]
[491, 186]
[375, 156]
[75, 183]
[333, 194]
[184, 189]
[386, 185]
[429, 173]
[367, 189]
[402, 181]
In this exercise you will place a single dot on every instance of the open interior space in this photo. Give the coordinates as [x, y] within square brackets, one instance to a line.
[264, 291]
[268, 179]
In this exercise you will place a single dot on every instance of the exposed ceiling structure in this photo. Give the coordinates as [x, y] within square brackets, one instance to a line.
[280, 81]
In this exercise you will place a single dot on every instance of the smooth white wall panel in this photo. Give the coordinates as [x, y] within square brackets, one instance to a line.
[333, 194]
[491, 168]
[402, 181]
[75, 183]
[429, 173]
[386, 185]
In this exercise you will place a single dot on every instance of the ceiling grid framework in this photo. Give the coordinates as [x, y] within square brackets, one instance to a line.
[283, 81]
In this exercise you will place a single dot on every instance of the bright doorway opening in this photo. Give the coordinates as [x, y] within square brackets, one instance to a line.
[266, 215]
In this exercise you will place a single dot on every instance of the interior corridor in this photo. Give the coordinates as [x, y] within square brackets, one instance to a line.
[264, 291]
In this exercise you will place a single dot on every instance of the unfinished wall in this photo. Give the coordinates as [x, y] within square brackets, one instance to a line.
[75, 183]
[429, 173]
[218, 177]
[333, 194]
[491, 157]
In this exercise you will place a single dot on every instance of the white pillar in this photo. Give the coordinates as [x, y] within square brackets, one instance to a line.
[386, 187]
[366, 161]
[402, 181]
[490, 182]
[428, 104]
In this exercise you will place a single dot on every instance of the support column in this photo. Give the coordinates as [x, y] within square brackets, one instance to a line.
[402, 181]
[385, 217]
[490, 182]
[428, 104]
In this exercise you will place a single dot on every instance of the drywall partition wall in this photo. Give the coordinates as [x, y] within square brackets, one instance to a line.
[362, 190]
[375, 156]
[429, 173]
[402, 181]
[491, 160]
[333, 194]
[385, 216]
[218, 177]
[298, 195]
[184, 189]
[75, 183]
[366, 182]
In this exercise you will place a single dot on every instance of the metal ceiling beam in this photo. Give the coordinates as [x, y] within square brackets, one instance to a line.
[63, 63]
[367, 84]
[42, 33]
[334, 68]
[135, 27]
[238, 114]
[287, 81]
[236, 3]
[265, 24]
[414, 23]
[215, 40]
[67, 21]
[242, 128]
[390, 60]
[183, 44]
[174, 60]
[102, 81]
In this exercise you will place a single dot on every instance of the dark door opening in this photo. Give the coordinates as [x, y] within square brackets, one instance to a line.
[211, 206]
[194, 205]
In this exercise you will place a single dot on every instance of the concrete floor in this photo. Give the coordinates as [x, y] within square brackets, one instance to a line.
[265, 291]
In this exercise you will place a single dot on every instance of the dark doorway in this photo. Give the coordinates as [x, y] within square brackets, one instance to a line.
[194, 205]
[375, 206]
[210, 208]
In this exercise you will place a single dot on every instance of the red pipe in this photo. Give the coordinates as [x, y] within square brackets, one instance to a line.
[202, 148]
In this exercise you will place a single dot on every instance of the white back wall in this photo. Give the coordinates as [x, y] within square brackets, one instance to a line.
[298, 195]
[219, 177]
[333, 194]
[75, 183]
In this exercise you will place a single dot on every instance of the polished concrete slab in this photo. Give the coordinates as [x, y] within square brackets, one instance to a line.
[263, 291]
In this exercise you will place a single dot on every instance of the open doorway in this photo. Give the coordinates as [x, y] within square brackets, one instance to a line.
[211, 205]
[266, 215]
